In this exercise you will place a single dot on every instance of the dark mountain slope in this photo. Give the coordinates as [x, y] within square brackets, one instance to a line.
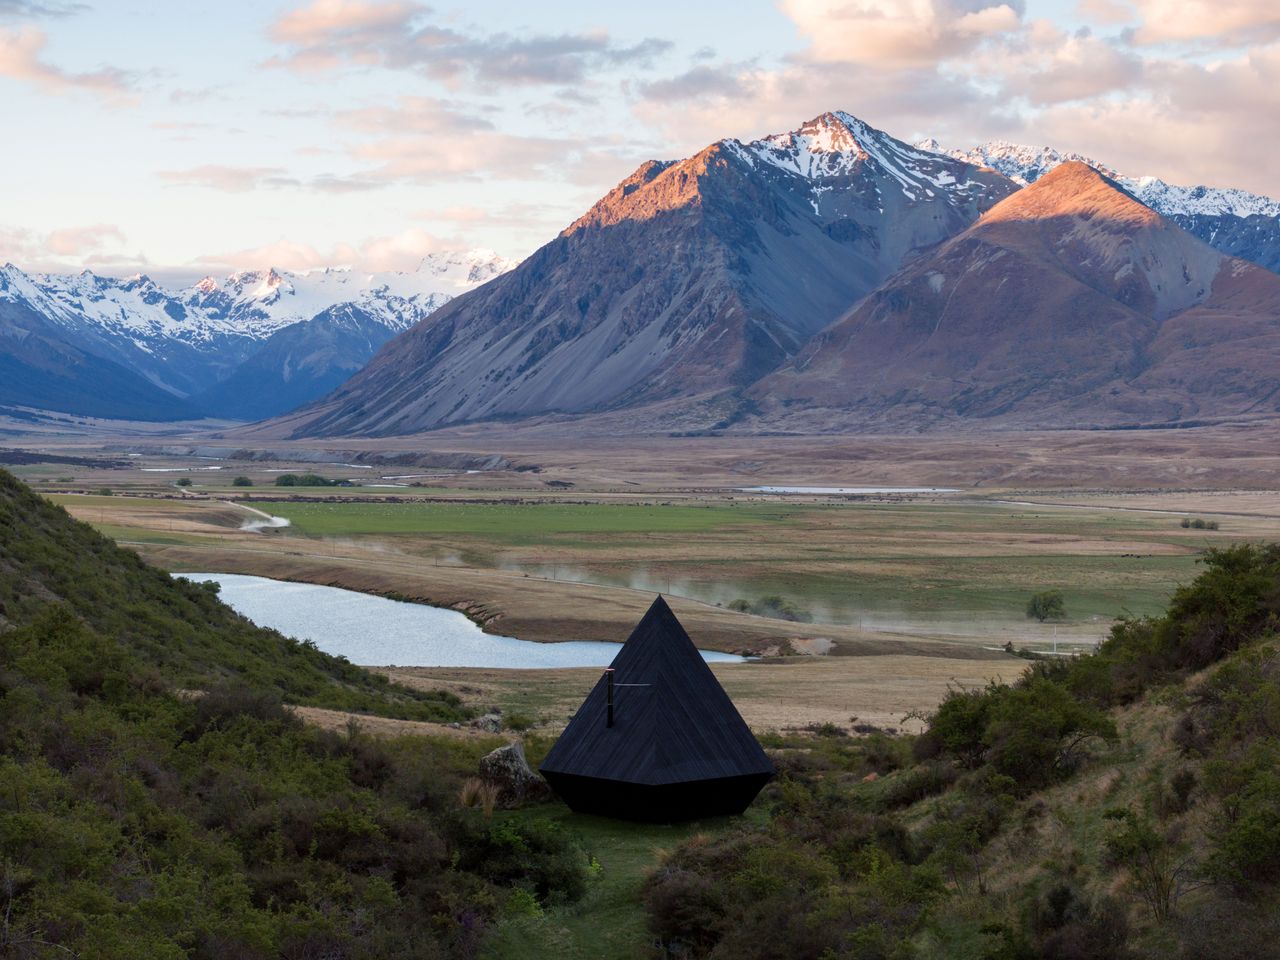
[39, 369]
[298, 364]
[1070, 303]
[687, 278]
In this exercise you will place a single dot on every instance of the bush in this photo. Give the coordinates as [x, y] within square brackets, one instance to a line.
[773, 606]
[242, 482]
[1068, 925]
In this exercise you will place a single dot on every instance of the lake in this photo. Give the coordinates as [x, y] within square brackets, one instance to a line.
[377, 631]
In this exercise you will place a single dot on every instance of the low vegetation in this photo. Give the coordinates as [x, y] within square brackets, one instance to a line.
[160, 800]
[180, 628]
[1199, 524]
[775, 606]
[304, 480]
[1120, 804]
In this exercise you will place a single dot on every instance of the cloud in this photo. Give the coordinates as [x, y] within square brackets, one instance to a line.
[235, 179]
[229, 179]
[730, 80]
[399, 251]
[79, 241]
[1188, 122]
[20, 59]
[899, 32]
[1046, 65]
[1220, 22]
[32, 9]
[62, 250]
[428, 140]
[397, 35]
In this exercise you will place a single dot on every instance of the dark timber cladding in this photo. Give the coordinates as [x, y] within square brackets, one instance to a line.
[677, 748]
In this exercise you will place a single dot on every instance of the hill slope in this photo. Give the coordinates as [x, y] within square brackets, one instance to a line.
[1120, 805]
[140, 820]
[181, 630]
[686, 279]
[1069, 303]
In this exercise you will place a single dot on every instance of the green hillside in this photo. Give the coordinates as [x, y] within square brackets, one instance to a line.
[139, 819]
[177, 629]
[1120, 805]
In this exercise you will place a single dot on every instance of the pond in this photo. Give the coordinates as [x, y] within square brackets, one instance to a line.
[377, 631]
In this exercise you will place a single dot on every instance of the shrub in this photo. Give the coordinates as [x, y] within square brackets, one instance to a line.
[1067, 925]
[242, 482]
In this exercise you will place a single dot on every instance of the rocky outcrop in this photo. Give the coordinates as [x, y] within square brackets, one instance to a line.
[510, 772]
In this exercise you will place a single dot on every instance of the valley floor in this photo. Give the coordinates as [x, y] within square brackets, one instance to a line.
[899, 596]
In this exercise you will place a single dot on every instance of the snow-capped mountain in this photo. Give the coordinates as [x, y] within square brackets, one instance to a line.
[689, 278]
[264, 301]
[1236, 222]
[186, 341]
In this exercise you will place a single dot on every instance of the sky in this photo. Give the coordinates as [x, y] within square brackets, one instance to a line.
[187, 138]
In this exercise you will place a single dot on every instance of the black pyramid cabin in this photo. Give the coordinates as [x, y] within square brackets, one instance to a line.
[665, 743]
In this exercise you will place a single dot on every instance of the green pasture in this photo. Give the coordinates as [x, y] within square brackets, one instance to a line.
[520, 523]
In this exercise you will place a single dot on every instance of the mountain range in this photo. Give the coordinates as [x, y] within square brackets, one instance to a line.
[1236, 222]
[832, 277]
[835, 277]
[252, 345]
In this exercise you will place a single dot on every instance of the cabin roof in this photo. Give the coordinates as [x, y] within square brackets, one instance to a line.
[676, 725]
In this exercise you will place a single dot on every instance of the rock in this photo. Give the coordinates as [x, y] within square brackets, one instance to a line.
[489, 723]
[508, 769]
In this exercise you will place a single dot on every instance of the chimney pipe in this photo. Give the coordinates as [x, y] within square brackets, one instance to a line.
[608, 676]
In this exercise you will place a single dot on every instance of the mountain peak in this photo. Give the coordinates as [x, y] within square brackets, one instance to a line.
[1075, 189]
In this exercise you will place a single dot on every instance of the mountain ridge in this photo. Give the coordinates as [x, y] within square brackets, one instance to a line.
[187, 342]
[1237, 222]
[687, 277]
[1069, 303]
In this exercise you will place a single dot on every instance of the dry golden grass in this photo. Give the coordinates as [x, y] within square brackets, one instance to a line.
[772, 695]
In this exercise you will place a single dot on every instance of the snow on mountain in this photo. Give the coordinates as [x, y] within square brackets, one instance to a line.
[252, 304]
[187, 340]
[838, 144]
[1235, 222]
[1026, 164]
[264, 301]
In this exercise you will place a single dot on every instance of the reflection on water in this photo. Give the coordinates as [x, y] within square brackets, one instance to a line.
[374, 630]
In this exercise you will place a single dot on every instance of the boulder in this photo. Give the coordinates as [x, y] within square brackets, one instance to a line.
[508, 769]
[489, 723]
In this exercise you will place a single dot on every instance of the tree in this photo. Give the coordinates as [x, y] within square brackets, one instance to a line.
[242, 482]
[1046, 605]
[184, 481]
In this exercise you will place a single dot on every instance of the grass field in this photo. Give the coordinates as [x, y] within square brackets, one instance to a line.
[959, 567]
[951, 566]
[524, 523]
